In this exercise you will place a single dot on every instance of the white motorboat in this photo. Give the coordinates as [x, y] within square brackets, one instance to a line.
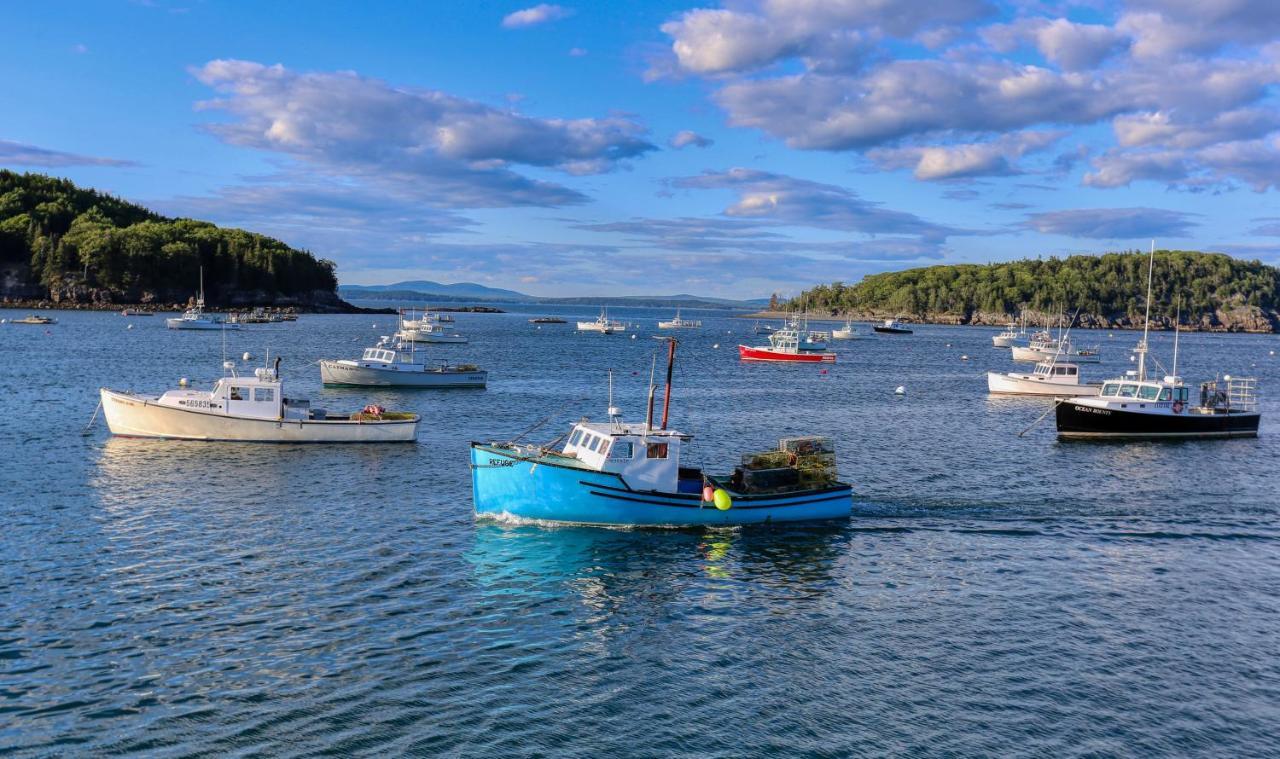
[1011, 337]
[678, 323]
[37, 319]
[387, 365]
[1061, 349]
[602, 324]
[196, 318]
[847, 332]
[892, 327]
[428, 329]
[1048, 378]
[248, 409]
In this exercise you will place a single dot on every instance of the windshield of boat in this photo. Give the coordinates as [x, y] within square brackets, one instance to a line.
[1111, 388]
[1149, 392]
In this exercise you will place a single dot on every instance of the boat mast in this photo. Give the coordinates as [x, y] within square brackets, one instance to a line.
[666, 397]
[648, 417]
[1146, 326]
[1177, 326]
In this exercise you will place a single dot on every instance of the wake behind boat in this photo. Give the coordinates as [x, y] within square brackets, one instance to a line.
[248, 409]
[617, 473]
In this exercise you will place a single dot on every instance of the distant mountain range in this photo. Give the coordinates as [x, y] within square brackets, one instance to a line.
[426, 290]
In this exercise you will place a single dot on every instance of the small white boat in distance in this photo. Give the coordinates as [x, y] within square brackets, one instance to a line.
[1044, 350]
[678, 323]
[847, 332]
[602, 324]
[36, 319]
[1010, 338]
[385, 365]
[249, 410]
[428, 329]
[196, 318]
[1048, 378]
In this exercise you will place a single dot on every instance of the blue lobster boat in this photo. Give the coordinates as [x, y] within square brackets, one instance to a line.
[616, 473]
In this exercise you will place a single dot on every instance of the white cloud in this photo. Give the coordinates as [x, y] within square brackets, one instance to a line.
[1112, 223]
[996, 158]
[685, 138]
[538, 14]
[455, 152]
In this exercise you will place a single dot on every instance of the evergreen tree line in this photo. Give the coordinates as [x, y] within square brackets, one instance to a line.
[70, 235]
[1111, 286]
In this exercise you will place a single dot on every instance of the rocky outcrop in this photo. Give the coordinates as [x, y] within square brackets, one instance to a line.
[1239, 318]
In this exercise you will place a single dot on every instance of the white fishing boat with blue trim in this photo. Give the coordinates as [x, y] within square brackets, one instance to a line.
[627, 474]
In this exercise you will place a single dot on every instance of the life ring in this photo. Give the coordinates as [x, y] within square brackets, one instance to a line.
[1177, 407]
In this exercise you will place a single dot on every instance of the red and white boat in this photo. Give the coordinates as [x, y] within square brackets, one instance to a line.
[785, 345]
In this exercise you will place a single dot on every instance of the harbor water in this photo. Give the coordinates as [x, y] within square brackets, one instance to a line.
[991, 594]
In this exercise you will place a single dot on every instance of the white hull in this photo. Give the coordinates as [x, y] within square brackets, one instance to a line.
[1007, 341]
[1037, 355]
[135, 416]
[670, 325]
[340, 373]
[180, 323]
[414, 336]
[1029, 384]
[844, 334]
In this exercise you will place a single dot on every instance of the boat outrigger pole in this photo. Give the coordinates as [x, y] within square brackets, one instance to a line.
[666, 397]
[648, 417]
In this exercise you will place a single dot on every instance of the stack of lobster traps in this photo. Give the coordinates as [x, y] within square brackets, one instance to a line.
[799, 463]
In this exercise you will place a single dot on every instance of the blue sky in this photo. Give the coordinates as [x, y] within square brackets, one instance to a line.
[727, 149]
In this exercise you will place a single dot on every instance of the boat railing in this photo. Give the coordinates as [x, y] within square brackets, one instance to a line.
[1231, 394]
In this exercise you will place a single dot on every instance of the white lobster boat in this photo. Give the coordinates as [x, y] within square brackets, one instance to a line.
[387, 365]
[602, 324]
[428, 329]
[847, 332]
[1012, 337]
[678, 323]
[248, 409]
[1048, 378]
[195, 318]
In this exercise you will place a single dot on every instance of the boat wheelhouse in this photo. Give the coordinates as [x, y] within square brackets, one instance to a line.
[617, 473]
[787, 345]
[250, 408]
[397, 365]
[1048, 378]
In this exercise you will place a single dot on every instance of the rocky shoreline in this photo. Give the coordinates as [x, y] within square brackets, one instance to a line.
[46, 304]
[1248, 319]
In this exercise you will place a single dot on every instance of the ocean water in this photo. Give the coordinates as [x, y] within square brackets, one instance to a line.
[991, 595]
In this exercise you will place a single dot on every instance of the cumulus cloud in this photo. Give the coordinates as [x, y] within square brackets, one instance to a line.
[685, 138]
[1112, 223]
[788, 200]
[1174, 76]
[538, 14]
[21, 154]
[996, 158]
[456, 151]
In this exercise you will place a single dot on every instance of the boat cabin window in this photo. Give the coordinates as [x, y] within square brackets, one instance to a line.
[576, 437]
[1182, 393]
[656, 451]
[267, 394]
[1148, 392]
[1128, 391]
[237, 393]
[1111, 388]
[605, 442]
[1166, 394]
[622, 449]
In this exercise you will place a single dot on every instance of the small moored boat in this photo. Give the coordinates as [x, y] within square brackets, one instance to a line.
[395, 365]
[136, 312]
[847, 332]
[892, 327]
[678, 323]
[194, 318]
[1011, 337]
[1048, 378]
[616, 473]
[602, 324]
[786, 345]
[428, 329]
[36, 319]
[547, 320]
[248, 409]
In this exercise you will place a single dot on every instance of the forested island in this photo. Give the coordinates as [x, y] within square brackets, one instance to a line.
[75, 247]
[1215, 292]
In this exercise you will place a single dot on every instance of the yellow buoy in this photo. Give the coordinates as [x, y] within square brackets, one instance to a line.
[722, 499]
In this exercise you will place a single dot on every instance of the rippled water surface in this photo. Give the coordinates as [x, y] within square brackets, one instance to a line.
[992, 595]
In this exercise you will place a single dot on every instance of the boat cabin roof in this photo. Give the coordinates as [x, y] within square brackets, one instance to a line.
[1052, 369]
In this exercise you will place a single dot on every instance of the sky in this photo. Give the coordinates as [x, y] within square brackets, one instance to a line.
[640, 148]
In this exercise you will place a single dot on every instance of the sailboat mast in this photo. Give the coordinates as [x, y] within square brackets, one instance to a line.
[1177, 327]
[1146, 326]
[666, 397]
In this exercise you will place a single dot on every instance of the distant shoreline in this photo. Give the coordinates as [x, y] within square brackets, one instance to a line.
[177, 308]
[955, 321]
